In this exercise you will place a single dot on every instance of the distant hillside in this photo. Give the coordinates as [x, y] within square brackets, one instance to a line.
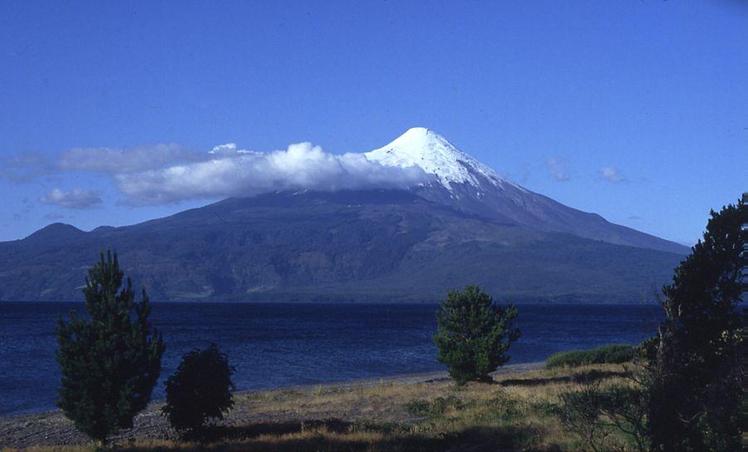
[374, 245]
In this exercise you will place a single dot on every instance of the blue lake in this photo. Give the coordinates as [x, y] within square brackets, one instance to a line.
[274, 345]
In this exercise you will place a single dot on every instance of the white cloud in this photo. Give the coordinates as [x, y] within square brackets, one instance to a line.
[611, 174]
[557, 168]
[165, 173]
[116, 160]
[73, 199]
[229, 171]
[229, 149]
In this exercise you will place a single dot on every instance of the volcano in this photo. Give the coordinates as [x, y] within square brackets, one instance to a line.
[467, 185]
[464, 224]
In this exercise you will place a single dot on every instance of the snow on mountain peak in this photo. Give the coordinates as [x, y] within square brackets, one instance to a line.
[426, 149]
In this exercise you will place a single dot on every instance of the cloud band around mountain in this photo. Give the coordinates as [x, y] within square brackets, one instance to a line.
[168, 173]
[119, 160]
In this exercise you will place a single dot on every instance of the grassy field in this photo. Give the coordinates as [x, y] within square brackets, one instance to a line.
[516, 412]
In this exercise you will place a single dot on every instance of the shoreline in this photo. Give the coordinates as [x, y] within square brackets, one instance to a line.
[407, 378]
[51, 428]
[410, 378]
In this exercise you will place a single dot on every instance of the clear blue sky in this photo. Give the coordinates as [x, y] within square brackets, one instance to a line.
[637, 109]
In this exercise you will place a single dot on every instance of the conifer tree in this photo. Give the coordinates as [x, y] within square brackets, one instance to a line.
[473, 335]
[695, 385]
[111, 360]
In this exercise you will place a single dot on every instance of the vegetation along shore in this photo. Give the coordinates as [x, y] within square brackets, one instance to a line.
[518, 410]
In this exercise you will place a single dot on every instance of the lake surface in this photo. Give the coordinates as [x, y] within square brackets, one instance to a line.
[274, 345]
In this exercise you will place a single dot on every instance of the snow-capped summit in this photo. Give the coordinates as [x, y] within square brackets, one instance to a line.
[426, 149]
[466, 185]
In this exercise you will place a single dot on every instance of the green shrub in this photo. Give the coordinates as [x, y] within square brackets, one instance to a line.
[580, 412]
[199, 391]
[615, 354]
[603, 417]
[473, 335]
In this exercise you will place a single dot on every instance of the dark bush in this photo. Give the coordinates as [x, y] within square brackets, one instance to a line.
[597, 415]
[199, 391]
[614, 354]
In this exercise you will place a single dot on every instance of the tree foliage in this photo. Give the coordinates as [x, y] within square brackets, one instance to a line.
[111, 360]
[695, 384]
[200, 390]
[474, 335]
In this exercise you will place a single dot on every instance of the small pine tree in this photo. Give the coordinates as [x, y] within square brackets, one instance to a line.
[200, 390]
[111, 361]
[473, 335]
[695, 378]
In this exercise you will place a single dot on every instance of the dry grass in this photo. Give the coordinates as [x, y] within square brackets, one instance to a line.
[514, 413]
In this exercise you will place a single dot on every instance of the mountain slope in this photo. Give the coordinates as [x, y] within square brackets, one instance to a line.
[374, 245]
[469, 186]
[465, 226]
